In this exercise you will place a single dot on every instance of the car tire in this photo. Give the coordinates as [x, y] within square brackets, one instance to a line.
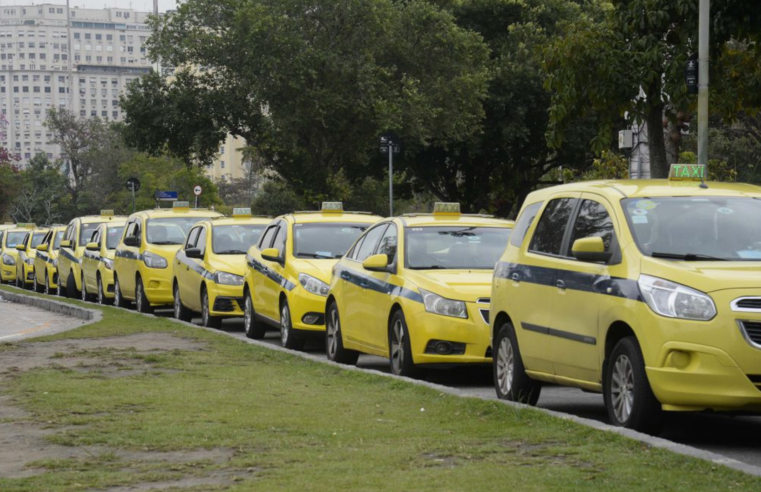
[400, 348]
[288, 338]
[142, 303]
[628, 396]
[102, 299]
[207, 319]
[47, 284]
[71, 287]
[253, 328]
[334, 344]
[86, 297]
[510, 378]
[180, 312]
[35, 285]
[119, 300]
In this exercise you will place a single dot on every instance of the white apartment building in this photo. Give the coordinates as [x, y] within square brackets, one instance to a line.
[81, 59]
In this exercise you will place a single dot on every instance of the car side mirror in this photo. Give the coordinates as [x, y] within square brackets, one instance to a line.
[92, 247]
[43, 247]
[272, 254]
[131, 241]
[194, 253]
[66, 243]
[376, 263]
[21, 247]
[590, 249]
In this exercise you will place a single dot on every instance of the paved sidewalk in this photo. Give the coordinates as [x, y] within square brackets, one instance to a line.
[18, 321]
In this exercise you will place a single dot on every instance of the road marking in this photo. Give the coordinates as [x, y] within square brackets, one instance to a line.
[43, 326]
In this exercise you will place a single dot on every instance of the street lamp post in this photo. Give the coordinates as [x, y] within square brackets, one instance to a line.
[704, 28]
[390, 143]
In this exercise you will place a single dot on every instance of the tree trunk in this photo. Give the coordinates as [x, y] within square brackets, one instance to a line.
[659, 165]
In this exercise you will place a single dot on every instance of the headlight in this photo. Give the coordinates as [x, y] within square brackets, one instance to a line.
[676, 301]
[445, 307]
[29, 261]
[152, 260]
[8, 260]
[313, 285]
[108, 263]
[225, 278]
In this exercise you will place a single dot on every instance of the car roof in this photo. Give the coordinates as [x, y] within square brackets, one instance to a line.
[648, 188]
[91, 219]
[239, 221]
[331, 216]
[168, 213]
[427, 220]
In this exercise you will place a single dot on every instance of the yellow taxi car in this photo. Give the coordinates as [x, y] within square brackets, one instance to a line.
[648, 291]
[151, 239]
[416, 289]
[289, 270]
[72, 249]
[3, 228]
[98, 262]
[27, 251]
[209, 269]
[46, 261]
[12, 237]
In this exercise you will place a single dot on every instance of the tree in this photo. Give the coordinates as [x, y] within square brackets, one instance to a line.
[628, 57]
[8, 173]
[42, 194]
[309, 84]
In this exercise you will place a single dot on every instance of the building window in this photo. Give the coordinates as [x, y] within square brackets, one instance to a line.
[222, 164]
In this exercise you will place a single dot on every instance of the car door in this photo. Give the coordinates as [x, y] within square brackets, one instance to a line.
[90, 261]
[195, 277]
[262, 285]
[66, 254]
[362, 292]
[274, 271]
[182, 269]
[582, 288]
[533, 281]
[132, 255]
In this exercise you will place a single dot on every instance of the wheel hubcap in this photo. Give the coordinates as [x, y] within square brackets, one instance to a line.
[84, 290]
[139, 295]
[622, 388]
[285, 324]
[247, 315]
[505, 366]
[176, 303]
[397, 347]
[205, 309]
[333, 333]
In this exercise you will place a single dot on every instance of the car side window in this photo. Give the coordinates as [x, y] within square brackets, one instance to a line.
[192, 238]
[279, 242]
[372, 238]
[550, 230]
[267, 237]
[201, 241]
[388, 243]
[137, 231]
[593, 221]
[70, 233]
[95, 236]
[523, 224]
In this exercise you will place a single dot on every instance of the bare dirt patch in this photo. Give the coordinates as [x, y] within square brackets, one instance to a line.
[25, 442]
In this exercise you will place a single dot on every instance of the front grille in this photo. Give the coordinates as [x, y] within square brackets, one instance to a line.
[747, 304]
[226, 304]
[752, 332]
[110, 288]
[485, 315]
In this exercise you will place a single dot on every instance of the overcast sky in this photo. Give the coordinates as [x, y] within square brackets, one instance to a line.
[141, 5]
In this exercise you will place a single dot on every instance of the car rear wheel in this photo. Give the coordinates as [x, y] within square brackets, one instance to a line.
[334, 345]
[180, 312]
[400, 348]
[253, 328]
[207, 319]
[628, 396]
[143, 304]
[288, 338]
[510, 378]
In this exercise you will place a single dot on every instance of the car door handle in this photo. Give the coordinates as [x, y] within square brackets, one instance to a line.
[515, 277]
[345, 275]
[560, 284]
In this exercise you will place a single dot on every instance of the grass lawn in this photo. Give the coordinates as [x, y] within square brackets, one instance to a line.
[278, 422]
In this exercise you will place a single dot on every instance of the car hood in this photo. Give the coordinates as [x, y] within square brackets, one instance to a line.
[235, 264]
[706, 276]
[319, 269]
[168, 251]
[461, 285]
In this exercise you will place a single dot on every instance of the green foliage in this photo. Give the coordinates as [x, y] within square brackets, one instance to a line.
[276, 198]
[42, 196]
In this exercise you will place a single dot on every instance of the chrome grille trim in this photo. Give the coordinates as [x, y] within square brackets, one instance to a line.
[746, 336]
[739, 309]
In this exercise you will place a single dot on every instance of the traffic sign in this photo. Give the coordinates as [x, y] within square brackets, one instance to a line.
[165, 196]
[197, 190]
[133, 184]
[691, 75]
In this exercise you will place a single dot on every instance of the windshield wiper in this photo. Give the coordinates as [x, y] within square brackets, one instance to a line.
[164, 243]
[232, 252]
[429, 267]
[687, 257]
[315, 255]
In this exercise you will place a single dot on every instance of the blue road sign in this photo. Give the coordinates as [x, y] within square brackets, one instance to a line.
[166, 195]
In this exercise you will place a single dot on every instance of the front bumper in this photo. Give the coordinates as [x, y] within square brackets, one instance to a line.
[225, 300]
[427, 329]
[107, 278]
[304, 307]
[158, 285]
[28, 272]
[8, 272]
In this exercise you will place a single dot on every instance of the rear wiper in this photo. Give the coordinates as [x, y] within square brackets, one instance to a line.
[687, 257]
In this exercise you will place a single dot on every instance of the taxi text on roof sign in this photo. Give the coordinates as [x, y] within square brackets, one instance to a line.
[106, 213]
[444, 208]
[242, 212]
[687, 172]
[332, 206]
[26, 225]
[180, 205]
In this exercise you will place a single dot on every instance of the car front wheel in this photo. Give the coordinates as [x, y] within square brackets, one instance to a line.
[253, 328]
[400, 348]
[207, 319]
[180, 312]
[334, 344]
[288, 338]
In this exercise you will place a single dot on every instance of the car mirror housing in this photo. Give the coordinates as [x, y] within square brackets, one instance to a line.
[131, 241]
[92, 247]
[65, 243]
[43, 247]
[590, 249]
[271, 254]
[376, 263]
[21, 247]
[194, 253]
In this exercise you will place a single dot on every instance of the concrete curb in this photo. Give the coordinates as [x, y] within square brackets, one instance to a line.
[655, 442]
[91, 315]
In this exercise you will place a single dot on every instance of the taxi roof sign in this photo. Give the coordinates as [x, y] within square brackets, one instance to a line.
[446, 208]
[334, 207]
[687, 172]
[242, 212]
[26, 225]
[106, 213]
[180, 205]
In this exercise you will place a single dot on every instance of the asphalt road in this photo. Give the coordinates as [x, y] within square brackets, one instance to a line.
[18, 322]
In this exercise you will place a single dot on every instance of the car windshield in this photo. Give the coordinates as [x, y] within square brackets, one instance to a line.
[696, 228]
[170, 230]
[455, 248]
[37, 238]
[58, 239]
[235, 239]
[325, 240]
[113, 235]
[14, 238]
[85, 232]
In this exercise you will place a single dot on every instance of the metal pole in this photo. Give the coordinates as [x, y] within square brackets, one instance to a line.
[133, 197]
[390, 178]
[704, 28]
[196, 201]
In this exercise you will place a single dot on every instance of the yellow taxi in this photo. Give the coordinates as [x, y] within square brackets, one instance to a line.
[416, 289]
[151, 239]
[3, 266]
[12, 238]
[648, 291]
[209, 268]
[27, 251]
[46, 261]
[72, 249]
[98, 262]
[288, 272]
